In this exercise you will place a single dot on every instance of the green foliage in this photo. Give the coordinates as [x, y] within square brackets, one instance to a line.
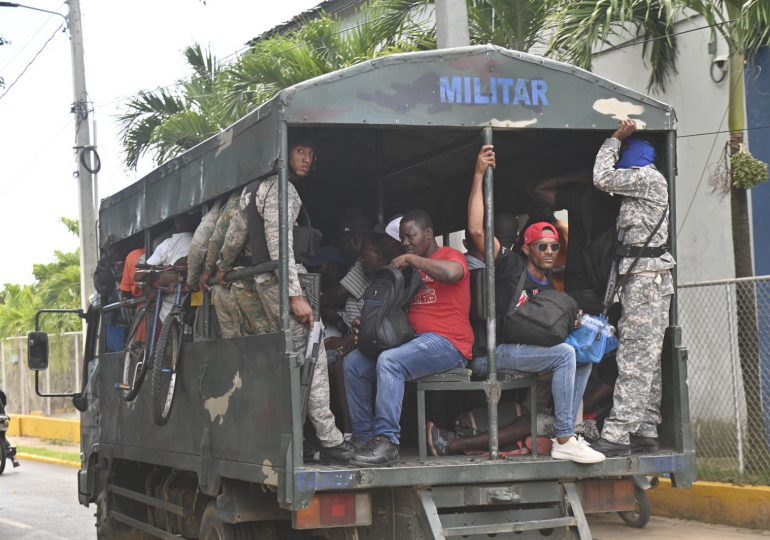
[747, 171]
[166, 122]
[57, 285]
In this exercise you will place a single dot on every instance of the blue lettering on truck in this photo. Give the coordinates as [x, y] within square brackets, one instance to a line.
[497, 90]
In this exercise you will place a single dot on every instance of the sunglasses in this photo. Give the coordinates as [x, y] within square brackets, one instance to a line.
[543, 247]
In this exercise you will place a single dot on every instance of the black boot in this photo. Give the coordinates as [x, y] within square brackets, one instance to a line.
[611, 449]
[336, 455]
[644, 445]
[379, 452]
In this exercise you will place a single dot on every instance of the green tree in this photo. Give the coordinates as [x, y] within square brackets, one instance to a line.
[166, 122]
[57, 285]
[579, 26]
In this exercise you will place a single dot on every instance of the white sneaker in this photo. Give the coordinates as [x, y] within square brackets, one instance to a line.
[575, 450]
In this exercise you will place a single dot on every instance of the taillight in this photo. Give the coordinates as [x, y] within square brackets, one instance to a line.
[335, 510]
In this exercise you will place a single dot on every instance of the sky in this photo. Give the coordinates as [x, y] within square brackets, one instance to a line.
[128, 47]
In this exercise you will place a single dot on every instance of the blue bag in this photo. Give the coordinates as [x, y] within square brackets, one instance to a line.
[593, 340]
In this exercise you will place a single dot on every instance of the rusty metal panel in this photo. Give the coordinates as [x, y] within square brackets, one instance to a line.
[606, 495]
[471, 86]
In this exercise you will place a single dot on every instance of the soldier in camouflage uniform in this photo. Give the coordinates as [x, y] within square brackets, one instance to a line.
[301, 157]
[645, 293]
[235, 253]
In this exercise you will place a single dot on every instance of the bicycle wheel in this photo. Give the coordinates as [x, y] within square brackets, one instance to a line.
[134, 363]
[164, 368]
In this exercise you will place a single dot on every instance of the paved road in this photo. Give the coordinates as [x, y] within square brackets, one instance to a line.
[39, 502]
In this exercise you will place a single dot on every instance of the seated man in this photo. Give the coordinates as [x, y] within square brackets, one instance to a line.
[439, 316]
[541, 244]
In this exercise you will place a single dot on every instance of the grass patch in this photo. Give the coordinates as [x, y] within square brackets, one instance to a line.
[70, 457]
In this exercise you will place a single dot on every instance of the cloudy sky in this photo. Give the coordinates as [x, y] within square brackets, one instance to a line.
[129, 46]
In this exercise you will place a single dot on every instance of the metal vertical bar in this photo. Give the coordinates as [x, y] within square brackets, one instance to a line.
[671, 177]
[283, 238]
[734, 377]
[47, 402]
[493, 394]
[22, 377]
[378, 173]
[2, 362]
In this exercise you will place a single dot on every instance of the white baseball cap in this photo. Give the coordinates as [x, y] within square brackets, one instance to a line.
[392, 228]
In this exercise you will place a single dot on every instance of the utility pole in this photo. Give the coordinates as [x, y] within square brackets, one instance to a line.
[452, 23]
[83, 150]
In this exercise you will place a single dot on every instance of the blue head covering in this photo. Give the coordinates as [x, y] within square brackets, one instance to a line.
[638, 153]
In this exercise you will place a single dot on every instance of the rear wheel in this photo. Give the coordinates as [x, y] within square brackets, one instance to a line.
[135, 363]
[164, 368]
[212, 528]
[640, 515]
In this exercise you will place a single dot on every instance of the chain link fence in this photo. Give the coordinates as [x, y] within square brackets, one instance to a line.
[726, 329]
[62, 376]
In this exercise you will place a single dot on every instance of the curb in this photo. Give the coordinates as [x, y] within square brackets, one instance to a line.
[713, 502]
[52, 429]
[49, 460]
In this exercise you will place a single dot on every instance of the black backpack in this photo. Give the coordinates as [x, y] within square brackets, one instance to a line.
[384, 319]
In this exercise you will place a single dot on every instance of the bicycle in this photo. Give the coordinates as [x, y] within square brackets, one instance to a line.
[139, 353]
[165, 364]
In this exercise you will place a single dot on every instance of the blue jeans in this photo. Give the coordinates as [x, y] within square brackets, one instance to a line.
[424, 355]
[568, 383]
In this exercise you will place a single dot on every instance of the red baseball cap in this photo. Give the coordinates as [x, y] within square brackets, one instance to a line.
[539, 230]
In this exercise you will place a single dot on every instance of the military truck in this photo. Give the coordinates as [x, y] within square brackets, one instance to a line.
[396, 133]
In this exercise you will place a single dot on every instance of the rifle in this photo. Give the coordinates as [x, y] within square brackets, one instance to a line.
[311, 283]
[612, 283]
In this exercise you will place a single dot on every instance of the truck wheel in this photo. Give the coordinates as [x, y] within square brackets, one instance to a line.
[213, 528]
[640, 515]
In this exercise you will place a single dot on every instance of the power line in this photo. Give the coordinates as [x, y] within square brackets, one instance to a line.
[31, 61]
[23, 47]
[722, 131]
[664, 36]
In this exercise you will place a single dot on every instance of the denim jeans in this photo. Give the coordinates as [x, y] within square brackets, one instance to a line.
[424, 355]
[568, 383]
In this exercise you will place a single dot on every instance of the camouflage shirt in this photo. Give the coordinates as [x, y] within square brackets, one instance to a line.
[645, 198]
[222, 253]
[200, 243]
[267, 201]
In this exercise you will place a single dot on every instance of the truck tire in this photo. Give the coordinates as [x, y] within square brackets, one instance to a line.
[640, 515]
[213, 528]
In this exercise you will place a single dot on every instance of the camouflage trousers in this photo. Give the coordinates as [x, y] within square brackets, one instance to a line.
[227, 311]
[636, 401]
[253, 319]
[318, 407]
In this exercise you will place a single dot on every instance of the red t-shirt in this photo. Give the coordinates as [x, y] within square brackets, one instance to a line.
[444, 308]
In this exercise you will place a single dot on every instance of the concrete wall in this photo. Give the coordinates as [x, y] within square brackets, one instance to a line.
[704, 236]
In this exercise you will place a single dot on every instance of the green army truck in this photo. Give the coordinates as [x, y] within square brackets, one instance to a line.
[396, 133]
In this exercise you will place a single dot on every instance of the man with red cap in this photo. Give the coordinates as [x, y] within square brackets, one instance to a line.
[541, 244]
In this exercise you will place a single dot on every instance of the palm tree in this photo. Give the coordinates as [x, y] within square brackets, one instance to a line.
[515, 25]
[579, 26]
[167, 122]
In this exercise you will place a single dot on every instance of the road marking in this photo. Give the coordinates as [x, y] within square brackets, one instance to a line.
[13, 523]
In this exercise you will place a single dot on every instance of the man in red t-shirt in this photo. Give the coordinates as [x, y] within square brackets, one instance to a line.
[439, 315]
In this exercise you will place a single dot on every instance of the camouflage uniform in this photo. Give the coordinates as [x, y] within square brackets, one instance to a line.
[645, 296]
[268, 288]
[227, 311]
[245, 301]
[200, 244]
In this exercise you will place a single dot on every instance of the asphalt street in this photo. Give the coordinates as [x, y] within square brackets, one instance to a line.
[39, 502]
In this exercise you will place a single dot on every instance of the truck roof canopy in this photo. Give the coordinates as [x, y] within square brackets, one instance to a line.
[456, 90]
